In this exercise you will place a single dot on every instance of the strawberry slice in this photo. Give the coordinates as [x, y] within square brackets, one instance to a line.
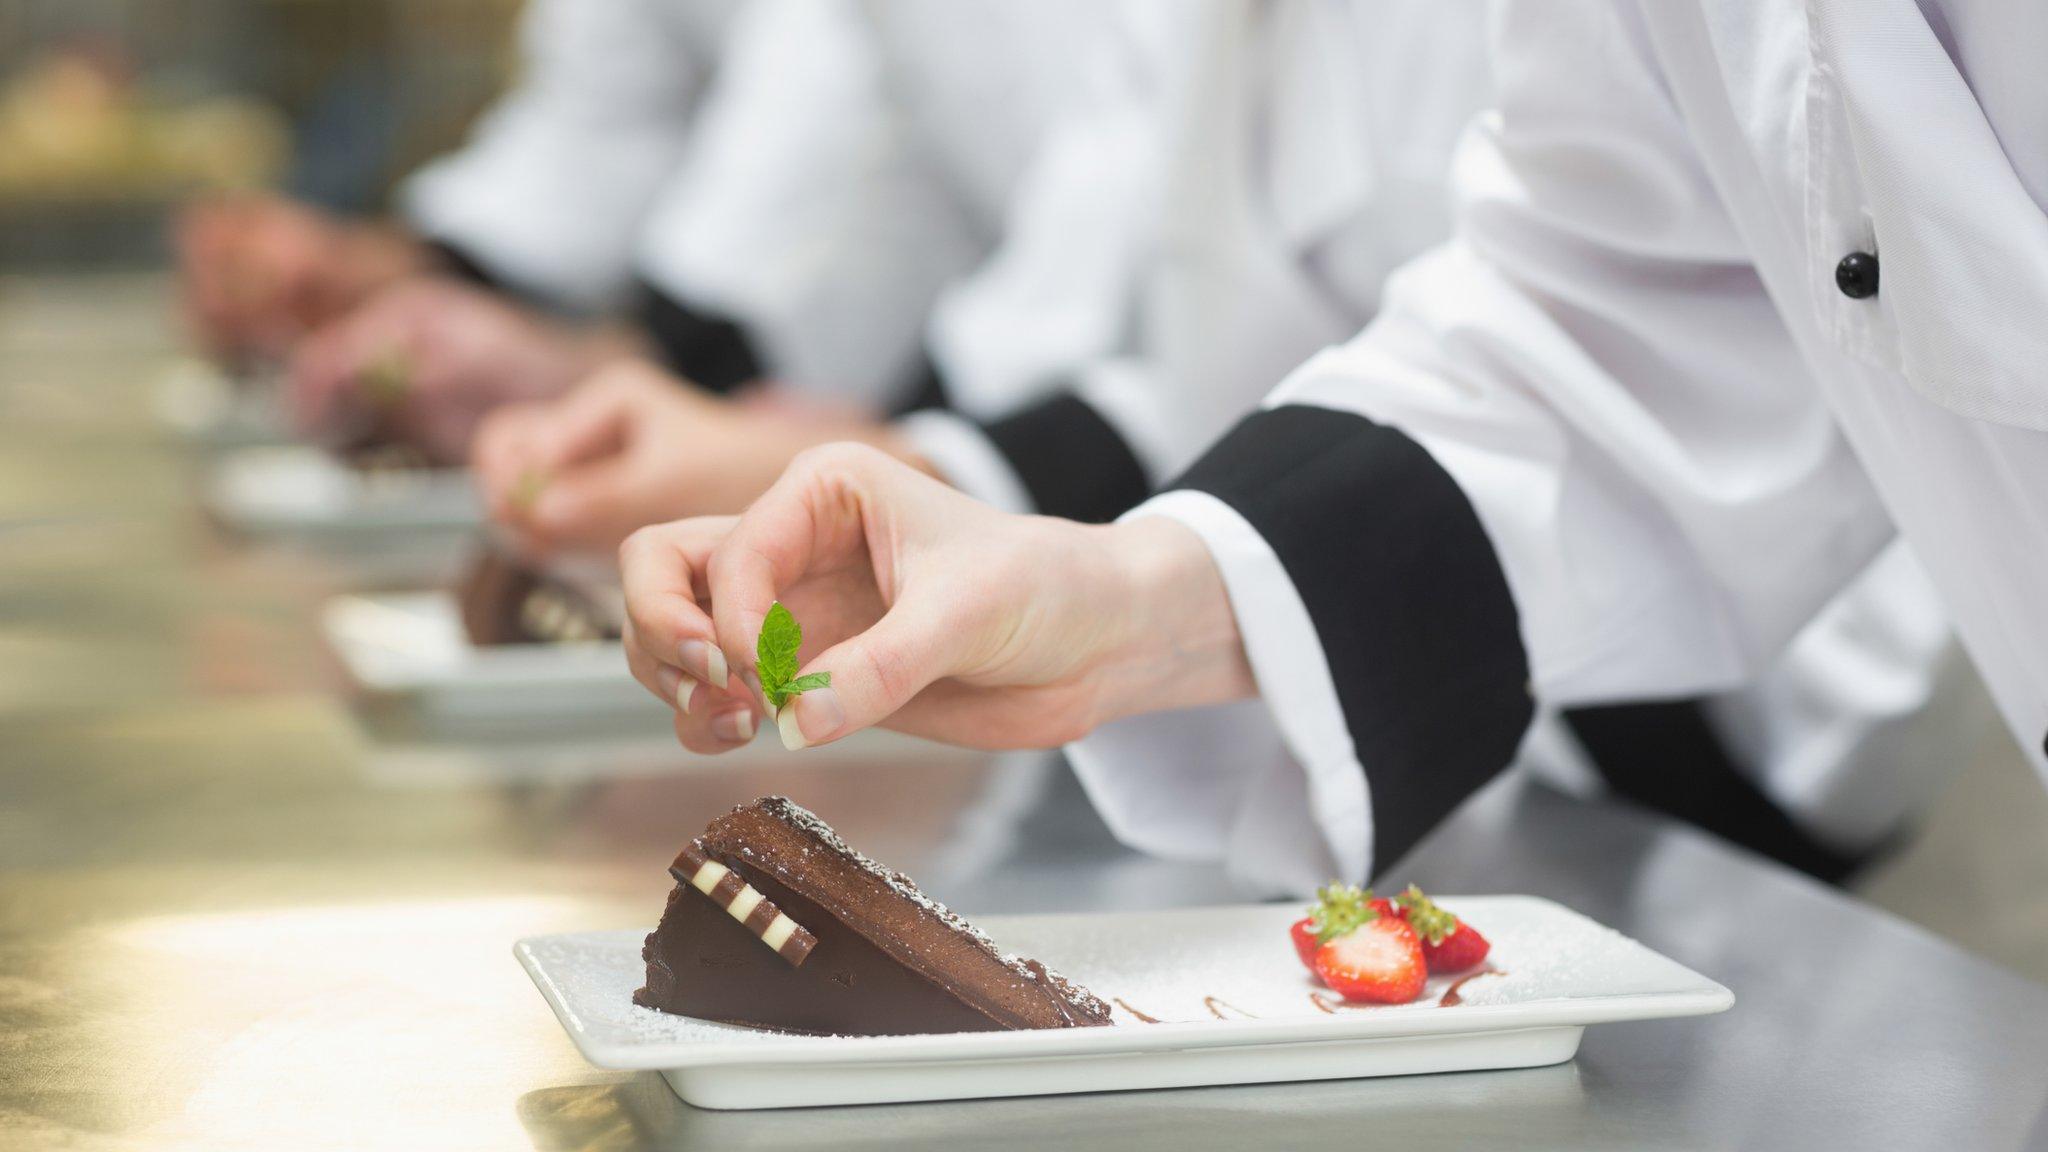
[1338, 909]
[1448, 943]
[1377, 962]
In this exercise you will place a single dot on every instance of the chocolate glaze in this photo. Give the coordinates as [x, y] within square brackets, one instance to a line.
[888, 960]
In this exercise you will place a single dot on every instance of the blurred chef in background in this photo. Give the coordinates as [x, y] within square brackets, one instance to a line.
[481, 290]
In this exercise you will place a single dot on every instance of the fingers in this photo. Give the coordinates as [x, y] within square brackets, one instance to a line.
[669, 643]
[504, 444]
[593, 422]
[318, 375]
[587, 509]
[552, 470]
[815, 519]
[773, 544]
[874, 674]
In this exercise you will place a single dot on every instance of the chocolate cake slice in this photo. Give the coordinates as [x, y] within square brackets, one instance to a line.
[505, 601]
[775, 923]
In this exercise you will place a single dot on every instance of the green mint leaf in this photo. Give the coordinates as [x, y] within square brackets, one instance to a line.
[386, 379]
[526, 489]
[807, 682]
[775, 654]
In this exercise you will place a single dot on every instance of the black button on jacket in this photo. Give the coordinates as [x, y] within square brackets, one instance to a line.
[1856, 275]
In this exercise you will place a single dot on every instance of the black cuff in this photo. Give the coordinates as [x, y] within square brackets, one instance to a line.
[1070, 460]
[926, 390]
[457, 263]
[1407, 596]
[709, 351]
[1666, 756]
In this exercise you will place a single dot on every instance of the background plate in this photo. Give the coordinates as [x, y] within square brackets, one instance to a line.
[299, 489]
[412, 645]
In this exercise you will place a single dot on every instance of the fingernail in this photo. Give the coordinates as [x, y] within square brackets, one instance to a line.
[752, 680]
[684, 691]
[734, 727]
[705, 661]
[670, 681]
[818, 716]
[786, 725]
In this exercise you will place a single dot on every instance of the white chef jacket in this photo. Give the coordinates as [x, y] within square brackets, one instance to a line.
[1172, 259]
[548, 194]
[1644, 417]
[857, 158]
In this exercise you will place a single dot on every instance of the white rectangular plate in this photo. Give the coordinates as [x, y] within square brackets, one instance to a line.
[200, 403]
[294, 488]
[1233, 1002]
[412, 645]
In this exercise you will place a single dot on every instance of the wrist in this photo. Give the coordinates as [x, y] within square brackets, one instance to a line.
[1175, 643]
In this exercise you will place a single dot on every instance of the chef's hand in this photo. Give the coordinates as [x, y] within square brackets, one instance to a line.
[257, 272]
[424, 361]
[635, 446]
[934, 614]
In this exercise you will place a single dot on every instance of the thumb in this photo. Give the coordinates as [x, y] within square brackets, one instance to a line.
[873, 674]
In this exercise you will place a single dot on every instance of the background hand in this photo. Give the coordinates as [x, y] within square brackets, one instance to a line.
[635, 446]
[424, 361]
[257, 272]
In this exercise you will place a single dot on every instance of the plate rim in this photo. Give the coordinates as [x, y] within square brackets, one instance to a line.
[1708, 997]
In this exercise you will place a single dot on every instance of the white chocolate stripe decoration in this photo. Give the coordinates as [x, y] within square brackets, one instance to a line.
[744, 903]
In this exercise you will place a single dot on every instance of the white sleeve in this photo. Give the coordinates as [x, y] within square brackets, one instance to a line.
[808, 212]
[550, 190]
[1576, 457]
[967, 459]
[1272, 787]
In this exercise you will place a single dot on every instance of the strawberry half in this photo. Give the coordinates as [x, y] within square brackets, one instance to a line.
[1338, 909]
[1378, 962]
[1303, 933]
[1448, 943]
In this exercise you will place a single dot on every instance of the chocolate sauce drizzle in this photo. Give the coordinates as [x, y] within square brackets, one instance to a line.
[1213, 1005]
[1133, 1011]
[1451, 998]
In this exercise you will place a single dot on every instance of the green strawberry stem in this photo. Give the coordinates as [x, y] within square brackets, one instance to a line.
[1429, 921]
[1339, 908]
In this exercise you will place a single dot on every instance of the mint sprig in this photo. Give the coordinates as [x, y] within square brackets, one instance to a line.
[386, 379]
[527, 488]
[775, 659]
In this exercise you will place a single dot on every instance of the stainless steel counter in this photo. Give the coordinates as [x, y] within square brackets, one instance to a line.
[232, 916]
